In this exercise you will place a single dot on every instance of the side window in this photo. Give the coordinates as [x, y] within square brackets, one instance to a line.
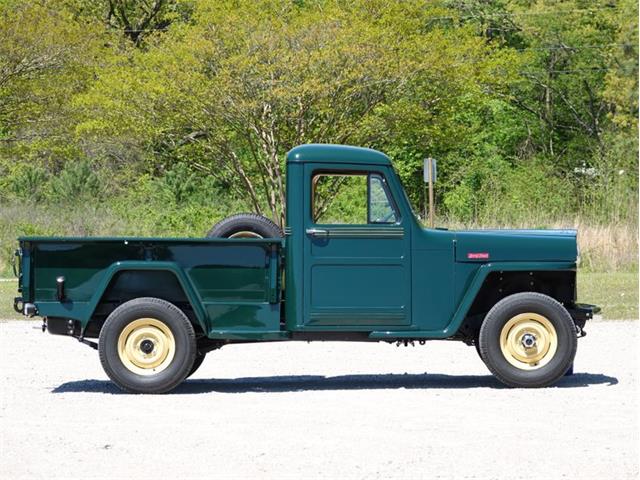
[351, 199]
[339, 199]
[380, 207]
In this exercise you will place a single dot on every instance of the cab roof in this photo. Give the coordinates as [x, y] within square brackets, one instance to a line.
[328, 153]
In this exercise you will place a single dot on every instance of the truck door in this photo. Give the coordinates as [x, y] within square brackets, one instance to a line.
[357, 269]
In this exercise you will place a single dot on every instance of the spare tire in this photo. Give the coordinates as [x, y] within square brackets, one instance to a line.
[245, 225]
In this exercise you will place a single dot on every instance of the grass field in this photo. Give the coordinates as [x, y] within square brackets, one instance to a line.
[616, 293]
[7, 292]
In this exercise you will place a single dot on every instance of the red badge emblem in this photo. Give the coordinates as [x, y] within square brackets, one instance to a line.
[478, 256]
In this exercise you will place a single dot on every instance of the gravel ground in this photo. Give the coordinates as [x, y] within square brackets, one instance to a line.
[320, 410]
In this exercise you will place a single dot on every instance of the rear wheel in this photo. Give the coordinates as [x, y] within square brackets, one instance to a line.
[528, 340]
[197, 362]
[245, 225]
[147, 345]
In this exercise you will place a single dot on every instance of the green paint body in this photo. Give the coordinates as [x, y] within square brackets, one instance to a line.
[390, 281]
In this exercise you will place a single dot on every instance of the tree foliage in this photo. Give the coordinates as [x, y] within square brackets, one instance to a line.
[527, 104]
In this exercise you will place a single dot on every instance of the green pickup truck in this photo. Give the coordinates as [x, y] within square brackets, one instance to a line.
[158, 305]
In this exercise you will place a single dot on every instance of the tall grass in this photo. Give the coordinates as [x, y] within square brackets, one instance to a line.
[91, 218]
[603, 248]
[608, 247]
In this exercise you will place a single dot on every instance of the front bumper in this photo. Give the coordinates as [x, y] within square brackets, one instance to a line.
[581, 312]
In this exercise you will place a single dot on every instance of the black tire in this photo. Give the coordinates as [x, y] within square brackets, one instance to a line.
[476, 345]
[197, 362]
[249, 224]
[178, 361]
[554, 366]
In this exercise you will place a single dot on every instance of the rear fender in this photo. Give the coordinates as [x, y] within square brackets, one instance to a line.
[83, 312]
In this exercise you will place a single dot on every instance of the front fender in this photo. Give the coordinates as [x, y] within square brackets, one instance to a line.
[481, 275]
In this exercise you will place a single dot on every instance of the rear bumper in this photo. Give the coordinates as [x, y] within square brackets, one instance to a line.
[18, 304]
[28, 309]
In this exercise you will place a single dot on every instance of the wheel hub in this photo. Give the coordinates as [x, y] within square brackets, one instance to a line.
[528, 341]
[146, 346]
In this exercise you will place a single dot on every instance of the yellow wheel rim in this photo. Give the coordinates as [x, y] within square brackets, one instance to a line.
[528, 341]
[146, 346]
[245, 234]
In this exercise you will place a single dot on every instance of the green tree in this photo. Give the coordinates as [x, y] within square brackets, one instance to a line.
[150, 97]
[247, 81]
[46, 58]
[136, 20]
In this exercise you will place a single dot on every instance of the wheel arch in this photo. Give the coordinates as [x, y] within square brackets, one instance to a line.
[493, 282]
[125, 281]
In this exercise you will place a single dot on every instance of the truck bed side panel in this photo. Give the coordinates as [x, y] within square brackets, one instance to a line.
[234, 283]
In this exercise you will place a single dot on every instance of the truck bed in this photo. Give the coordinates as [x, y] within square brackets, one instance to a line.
[224, 284]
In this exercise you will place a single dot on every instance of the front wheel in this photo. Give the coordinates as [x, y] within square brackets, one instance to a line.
[147, 345]
[528, 340]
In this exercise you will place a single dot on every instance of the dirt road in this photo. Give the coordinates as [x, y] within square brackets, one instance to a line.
[322, 410]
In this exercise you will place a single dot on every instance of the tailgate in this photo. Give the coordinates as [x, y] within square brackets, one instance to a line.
[21, 265]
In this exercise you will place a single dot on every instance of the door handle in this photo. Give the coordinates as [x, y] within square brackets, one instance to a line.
[317, 232]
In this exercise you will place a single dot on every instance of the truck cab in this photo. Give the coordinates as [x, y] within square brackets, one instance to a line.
[383, 272]
[353, 263]
[344, 272]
